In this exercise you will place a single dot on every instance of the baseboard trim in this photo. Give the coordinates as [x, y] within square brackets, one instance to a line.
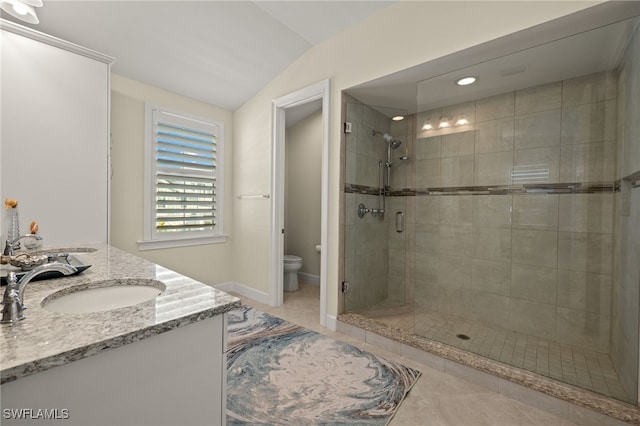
[332, 323]
[245, 291]
[309, 278]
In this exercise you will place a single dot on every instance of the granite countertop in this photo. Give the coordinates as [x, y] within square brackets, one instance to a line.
[46, 339]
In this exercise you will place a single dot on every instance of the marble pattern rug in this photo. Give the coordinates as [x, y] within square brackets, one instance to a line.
[279, 373]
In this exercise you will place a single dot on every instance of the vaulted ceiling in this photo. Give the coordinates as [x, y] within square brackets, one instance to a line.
[219, 52]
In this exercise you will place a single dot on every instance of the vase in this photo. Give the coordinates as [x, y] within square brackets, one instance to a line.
[13, 221]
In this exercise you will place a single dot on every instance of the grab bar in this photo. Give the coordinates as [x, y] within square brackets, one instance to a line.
[399, 222]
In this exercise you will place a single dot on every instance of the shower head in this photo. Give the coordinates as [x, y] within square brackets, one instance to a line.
[393, 142]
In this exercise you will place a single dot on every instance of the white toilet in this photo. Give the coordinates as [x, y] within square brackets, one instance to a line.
[292, 264]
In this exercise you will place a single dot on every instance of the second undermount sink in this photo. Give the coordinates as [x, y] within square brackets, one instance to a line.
[103, 295]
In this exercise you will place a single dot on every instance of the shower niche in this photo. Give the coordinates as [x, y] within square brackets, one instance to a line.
[508, 207]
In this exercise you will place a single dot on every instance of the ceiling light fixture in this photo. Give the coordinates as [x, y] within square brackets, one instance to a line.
[22, 9]
[444, 123]
[465, 81]
[462, 120]
[398, 118]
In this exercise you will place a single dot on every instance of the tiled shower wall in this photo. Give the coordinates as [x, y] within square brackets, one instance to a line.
[557, 258]
[626, 283]
[367, 246]
[526, 219]
[536, 261]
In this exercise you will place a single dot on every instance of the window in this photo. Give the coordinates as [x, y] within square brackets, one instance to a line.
[183, 204]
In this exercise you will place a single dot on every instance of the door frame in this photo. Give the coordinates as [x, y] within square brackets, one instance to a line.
[319, 90]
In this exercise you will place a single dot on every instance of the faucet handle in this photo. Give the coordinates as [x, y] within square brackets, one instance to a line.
[8, 248]
[12, 310]
[12, 279]
[12, 290]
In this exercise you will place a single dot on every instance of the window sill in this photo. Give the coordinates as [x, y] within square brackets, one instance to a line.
[180, 242]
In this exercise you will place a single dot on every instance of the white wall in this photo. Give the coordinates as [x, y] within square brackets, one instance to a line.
[210, 264]
[401, 36]
[303, 162]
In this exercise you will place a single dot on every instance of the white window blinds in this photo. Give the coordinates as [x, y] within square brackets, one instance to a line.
[185, 174]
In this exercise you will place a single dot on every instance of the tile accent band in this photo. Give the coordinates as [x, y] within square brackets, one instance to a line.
[634, 178]
[550, 188]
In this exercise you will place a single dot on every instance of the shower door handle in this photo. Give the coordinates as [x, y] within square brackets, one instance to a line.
[399, 221]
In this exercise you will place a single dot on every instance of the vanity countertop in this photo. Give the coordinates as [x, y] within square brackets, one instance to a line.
[46, 339]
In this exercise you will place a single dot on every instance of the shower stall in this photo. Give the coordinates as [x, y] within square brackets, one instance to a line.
[505, 225]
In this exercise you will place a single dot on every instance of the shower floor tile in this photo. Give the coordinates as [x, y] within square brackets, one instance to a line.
[583, 368]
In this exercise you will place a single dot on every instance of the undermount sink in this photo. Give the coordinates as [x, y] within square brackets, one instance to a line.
[103, 296]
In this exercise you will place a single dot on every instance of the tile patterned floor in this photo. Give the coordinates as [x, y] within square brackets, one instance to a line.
[437, 399]
[583, 368]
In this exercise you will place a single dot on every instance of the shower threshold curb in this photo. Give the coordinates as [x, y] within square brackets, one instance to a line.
[599, 403]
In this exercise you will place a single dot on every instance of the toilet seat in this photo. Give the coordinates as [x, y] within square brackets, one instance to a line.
[289, 258]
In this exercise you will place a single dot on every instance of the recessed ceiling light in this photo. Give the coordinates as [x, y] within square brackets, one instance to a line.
[398, 118]
[465, 81]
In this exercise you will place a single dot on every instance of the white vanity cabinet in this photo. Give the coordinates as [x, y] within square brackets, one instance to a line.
[174, 378]
[54, 135]
[159, 363]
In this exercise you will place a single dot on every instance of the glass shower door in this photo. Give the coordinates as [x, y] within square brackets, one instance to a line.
[375, 217]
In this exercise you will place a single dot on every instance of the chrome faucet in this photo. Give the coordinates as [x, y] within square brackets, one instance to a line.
[12, 300]
[12, 245]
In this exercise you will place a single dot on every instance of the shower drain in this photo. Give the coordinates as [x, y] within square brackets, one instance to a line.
[463, 336]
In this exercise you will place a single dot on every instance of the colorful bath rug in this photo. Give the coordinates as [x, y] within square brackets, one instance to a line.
[279, 373]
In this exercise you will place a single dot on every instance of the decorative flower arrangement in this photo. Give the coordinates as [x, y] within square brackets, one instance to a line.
[14, 226]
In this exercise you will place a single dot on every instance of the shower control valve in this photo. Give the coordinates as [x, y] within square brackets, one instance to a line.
[363, 210]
